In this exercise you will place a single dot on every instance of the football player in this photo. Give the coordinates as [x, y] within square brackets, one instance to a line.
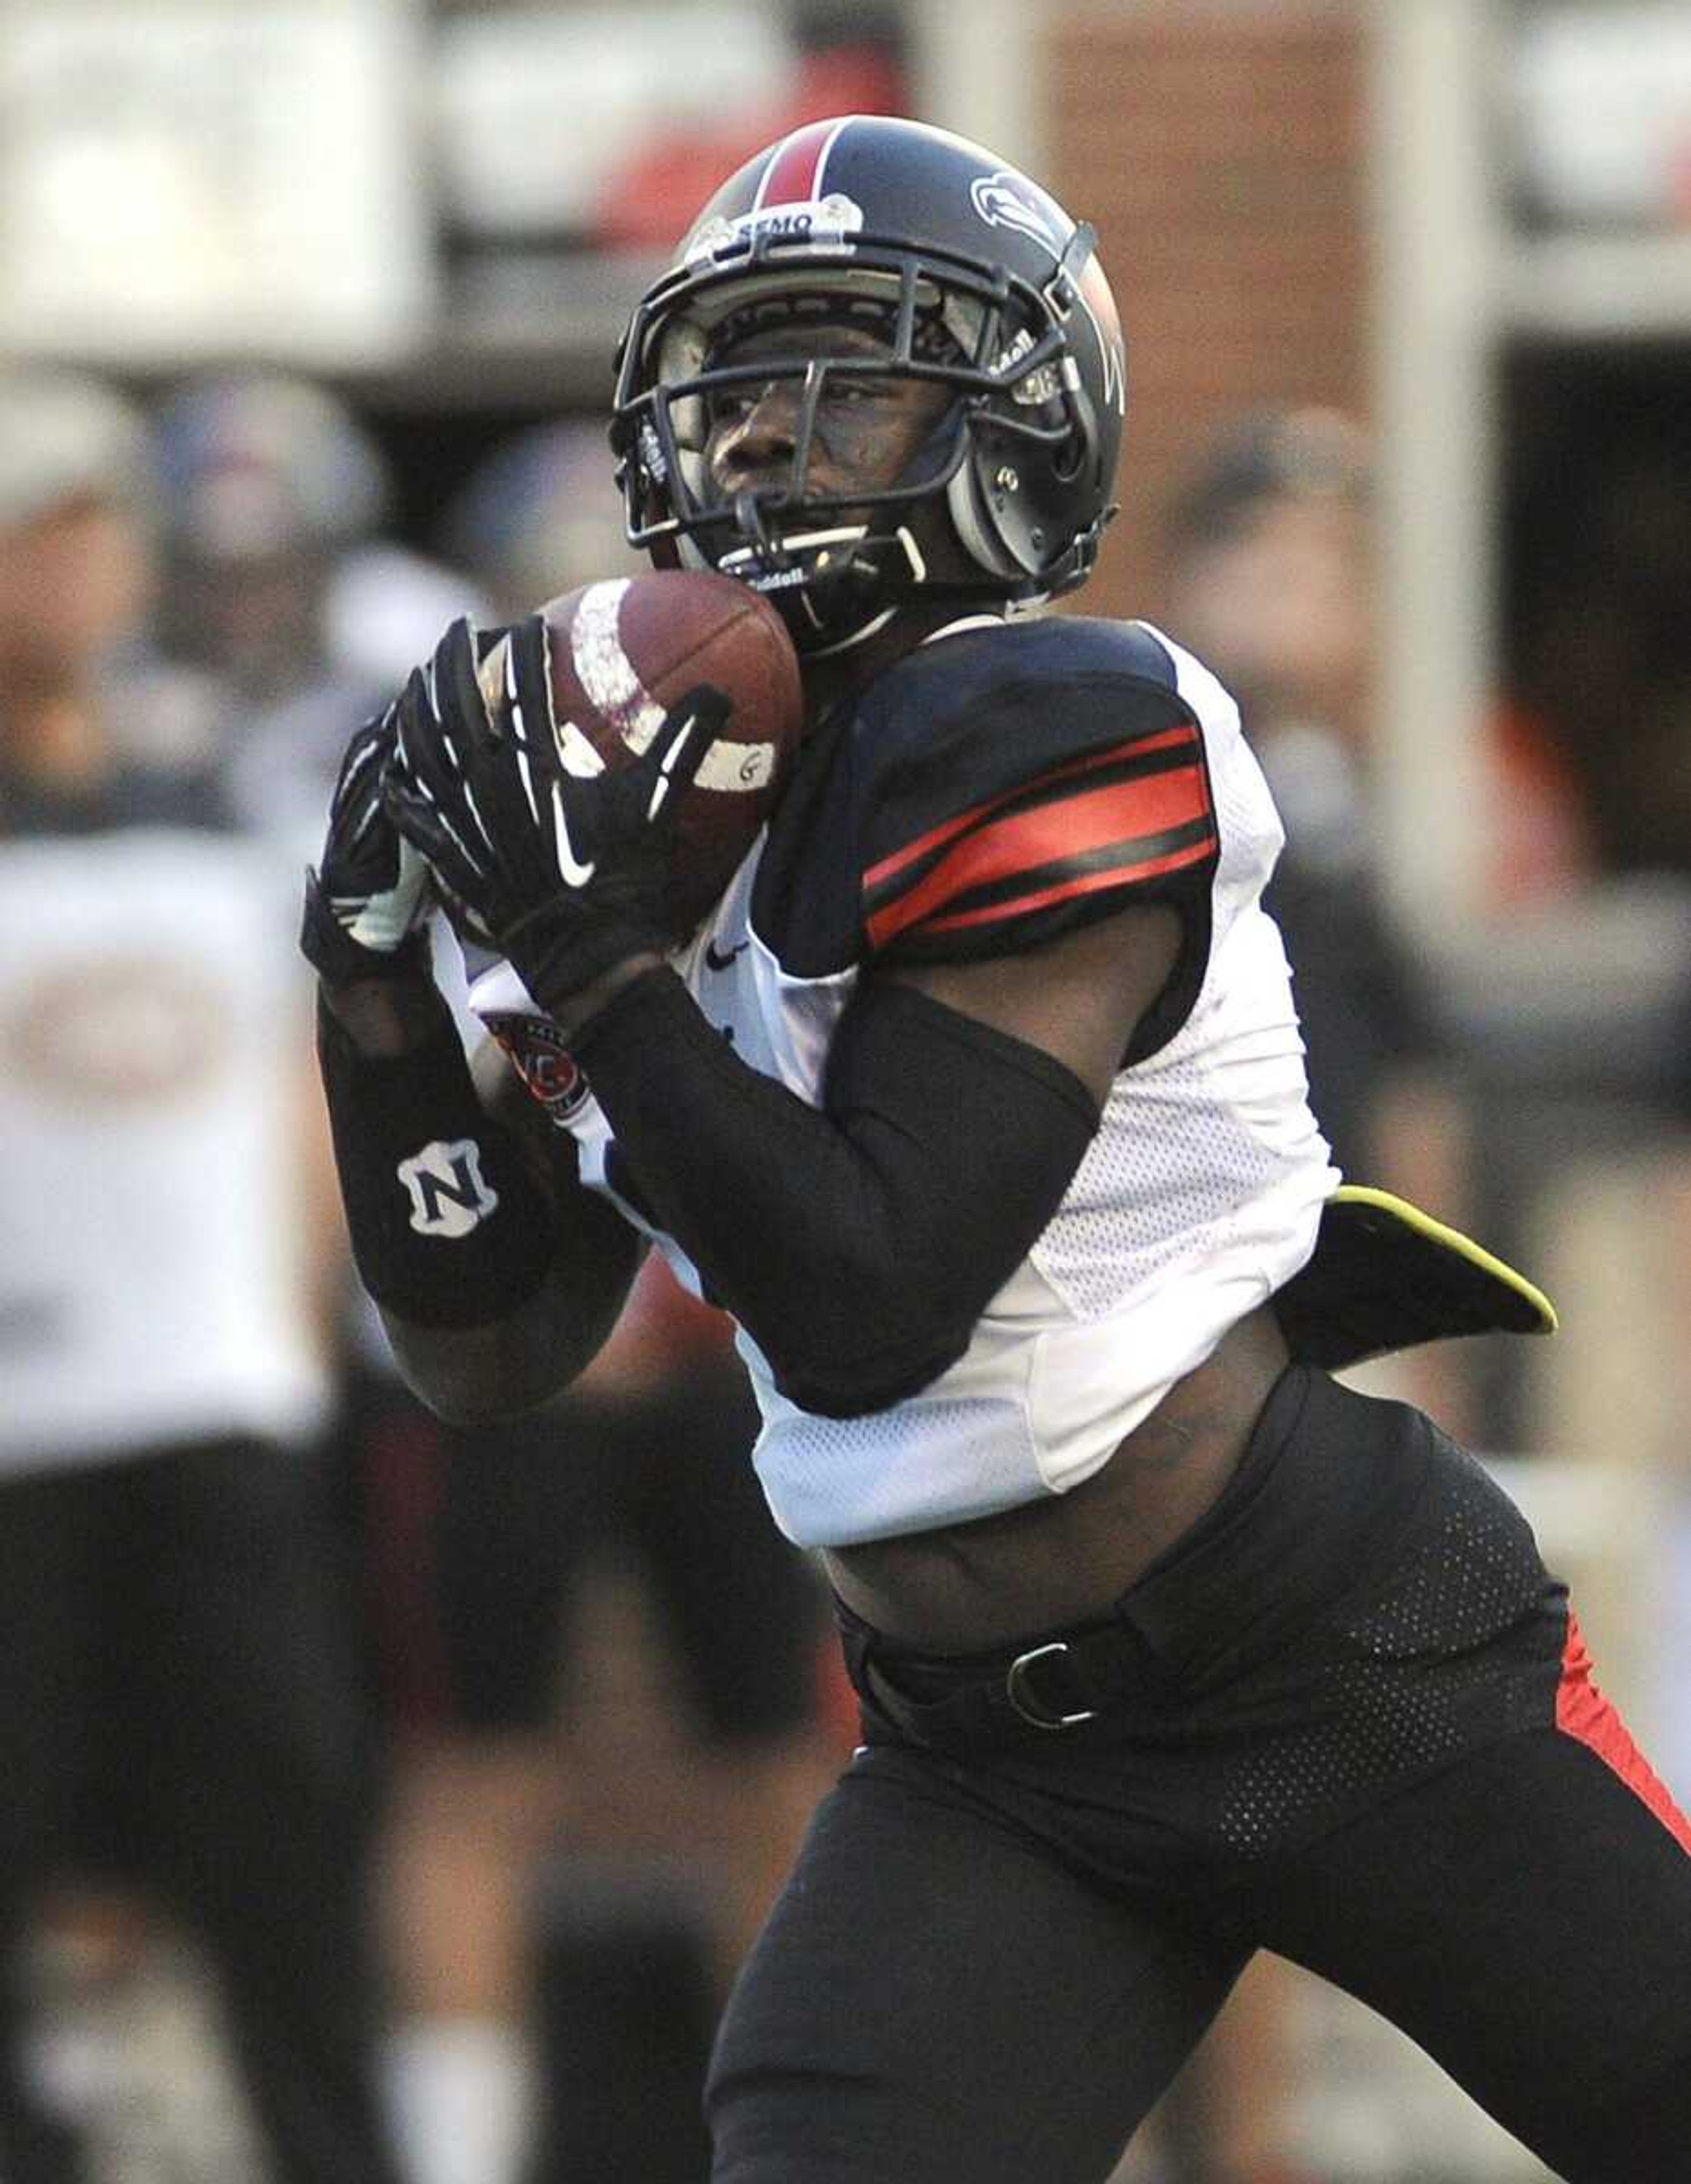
[978, 1102]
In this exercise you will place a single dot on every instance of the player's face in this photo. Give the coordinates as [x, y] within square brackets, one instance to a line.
[868, 427]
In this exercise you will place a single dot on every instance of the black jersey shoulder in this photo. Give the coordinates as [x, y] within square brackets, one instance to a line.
[994, 787]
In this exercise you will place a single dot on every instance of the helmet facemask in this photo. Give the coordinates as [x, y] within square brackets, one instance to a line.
[962, 517]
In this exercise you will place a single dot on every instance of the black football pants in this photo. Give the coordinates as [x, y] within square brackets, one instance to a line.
[1001, 1941]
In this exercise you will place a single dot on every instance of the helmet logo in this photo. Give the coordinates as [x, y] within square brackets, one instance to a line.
[1094, 300]
[653, 460]
[819, 222]
[1040, 385]
[1003, 201]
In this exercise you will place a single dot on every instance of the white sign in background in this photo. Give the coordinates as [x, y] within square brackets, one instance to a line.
[539, 108]
[181, 179]
[1602, 100]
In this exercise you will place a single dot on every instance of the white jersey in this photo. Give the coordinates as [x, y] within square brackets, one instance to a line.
[152, 1038]
[1203, 1190]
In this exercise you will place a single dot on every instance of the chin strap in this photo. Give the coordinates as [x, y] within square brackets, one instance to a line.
[809, 649]
[831, 610]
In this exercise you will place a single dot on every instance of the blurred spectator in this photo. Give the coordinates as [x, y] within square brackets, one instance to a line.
[1597, 641]
[603, 1661]
[604, 1667]
[538, 516]
[1269, 562]
[179, 1702]
[265, 481]
[279, 589]
[491, 1559]
[1539, 829]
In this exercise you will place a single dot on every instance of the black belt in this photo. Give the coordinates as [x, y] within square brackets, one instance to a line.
[1057, 1684]
[1325, 1478]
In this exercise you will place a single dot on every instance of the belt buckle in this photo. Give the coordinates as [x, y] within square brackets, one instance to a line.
[1022, 1698]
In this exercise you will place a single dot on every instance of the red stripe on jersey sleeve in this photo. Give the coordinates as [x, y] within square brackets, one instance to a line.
[1127, 814]
[1022, 906]
[1583, 1713]
[913, 851]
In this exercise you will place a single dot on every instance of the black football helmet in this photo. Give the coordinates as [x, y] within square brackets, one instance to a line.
[972, 275]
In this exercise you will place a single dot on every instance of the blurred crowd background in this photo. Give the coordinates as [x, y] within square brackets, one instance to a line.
[394, 1801]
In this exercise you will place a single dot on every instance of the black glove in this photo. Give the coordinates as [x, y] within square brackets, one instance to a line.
[366, 903]
[567, 873]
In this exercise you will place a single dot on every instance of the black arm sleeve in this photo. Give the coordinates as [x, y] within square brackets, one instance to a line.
[859, 1243]
[447, 1227]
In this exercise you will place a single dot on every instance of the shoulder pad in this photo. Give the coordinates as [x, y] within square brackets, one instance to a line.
[1017, 780]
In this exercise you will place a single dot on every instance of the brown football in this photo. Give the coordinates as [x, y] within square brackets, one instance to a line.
[623, 651]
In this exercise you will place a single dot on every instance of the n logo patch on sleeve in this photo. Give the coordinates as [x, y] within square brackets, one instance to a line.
[449, 1196]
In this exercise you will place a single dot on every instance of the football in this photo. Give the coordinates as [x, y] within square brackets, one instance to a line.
[623, 651]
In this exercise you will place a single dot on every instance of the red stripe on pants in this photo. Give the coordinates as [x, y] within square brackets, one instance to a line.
[1583, 1714]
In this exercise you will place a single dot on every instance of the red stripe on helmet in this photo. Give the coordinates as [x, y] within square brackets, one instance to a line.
[793, 174]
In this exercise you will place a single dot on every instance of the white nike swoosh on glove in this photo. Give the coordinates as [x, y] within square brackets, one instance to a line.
[661, 786]
[575, 872]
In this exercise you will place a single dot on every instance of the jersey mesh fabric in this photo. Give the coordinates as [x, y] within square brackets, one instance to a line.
[1183, 1145]
[1220, 1115]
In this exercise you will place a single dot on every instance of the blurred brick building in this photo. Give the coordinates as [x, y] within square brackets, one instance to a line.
[1221, 153]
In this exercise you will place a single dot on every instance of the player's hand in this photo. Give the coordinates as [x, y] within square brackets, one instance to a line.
[366, 901]
[566, 871]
